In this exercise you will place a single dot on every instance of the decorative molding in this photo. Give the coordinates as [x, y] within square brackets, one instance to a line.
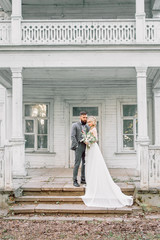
[141, 72]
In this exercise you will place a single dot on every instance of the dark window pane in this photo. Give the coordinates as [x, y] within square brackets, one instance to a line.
[128, 126]
[42, 142]
[42, 126]
[29, 126]
[91, 111]
[29, 141]
[36, 110]
[130, 110]
[128, 141]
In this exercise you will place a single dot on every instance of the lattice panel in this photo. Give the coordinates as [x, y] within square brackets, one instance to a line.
[5, 32]
[78, 32]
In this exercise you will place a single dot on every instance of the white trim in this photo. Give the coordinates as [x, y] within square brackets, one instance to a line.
[74, 103]
[120, 102]
[50, 148]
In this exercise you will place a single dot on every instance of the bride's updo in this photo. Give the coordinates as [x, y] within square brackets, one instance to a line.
[93, 119]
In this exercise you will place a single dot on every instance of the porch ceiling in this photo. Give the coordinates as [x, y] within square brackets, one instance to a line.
[69, 77]
[85, 77]
[72, 77]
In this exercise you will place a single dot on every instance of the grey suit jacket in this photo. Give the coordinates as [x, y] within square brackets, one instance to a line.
[76, 134]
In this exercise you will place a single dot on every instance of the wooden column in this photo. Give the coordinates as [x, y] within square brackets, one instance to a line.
[17, 130]
[140, 21]
[16, 18]
[157, 116]
[8, 115]
[143, 139]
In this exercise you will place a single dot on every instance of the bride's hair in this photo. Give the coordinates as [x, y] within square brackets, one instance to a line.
[93, 119]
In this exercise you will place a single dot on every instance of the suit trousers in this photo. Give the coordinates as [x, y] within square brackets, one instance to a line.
[79, 154]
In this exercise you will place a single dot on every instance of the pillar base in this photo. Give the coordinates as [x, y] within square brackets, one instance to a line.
[18, 156]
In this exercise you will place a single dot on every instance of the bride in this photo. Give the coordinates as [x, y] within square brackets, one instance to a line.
[101, 191]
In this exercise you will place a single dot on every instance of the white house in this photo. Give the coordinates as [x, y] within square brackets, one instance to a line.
[60, 57]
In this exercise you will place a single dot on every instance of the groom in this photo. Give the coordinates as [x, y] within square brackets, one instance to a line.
[79, 147]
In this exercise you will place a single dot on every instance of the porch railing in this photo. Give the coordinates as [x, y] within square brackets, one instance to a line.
[154, 166]
[150, 166]
[1, 168]
[5, 32]
[152, 31]
[83, 32]
[78, 32]
[6, 180]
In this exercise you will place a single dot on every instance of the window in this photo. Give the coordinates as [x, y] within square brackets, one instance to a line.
[130, 126]
[91, 111]
[36, 127]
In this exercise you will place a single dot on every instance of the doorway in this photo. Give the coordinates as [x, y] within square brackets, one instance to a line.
[92, 110]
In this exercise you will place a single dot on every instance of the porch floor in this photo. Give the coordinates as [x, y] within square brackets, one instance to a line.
[59, 176]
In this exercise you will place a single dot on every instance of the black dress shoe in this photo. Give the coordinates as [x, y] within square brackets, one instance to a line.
[83, 181]
[76, 184]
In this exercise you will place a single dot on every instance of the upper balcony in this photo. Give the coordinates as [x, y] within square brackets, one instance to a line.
[80, 22]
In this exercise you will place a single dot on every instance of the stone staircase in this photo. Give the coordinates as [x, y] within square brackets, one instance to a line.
[63, 199]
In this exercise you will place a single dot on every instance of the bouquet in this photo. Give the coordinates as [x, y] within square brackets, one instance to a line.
[88, 138]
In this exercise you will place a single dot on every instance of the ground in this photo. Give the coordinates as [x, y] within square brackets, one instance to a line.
[53, 228]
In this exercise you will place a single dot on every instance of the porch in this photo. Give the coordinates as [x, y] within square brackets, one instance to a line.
[108, 91]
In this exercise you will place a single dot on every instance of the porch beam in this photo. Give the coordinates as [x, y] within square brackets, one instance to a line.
[6, 5]
[17, 118]
[140, 21]
[16, 18]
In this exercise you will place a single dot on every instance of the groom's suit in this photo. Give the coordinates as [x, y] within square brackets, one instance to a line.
[79, 148]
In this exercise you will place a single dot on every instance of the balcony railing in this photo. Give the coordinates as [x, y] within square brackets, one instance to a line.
[5, 32]
[80, 32]
[152, 33]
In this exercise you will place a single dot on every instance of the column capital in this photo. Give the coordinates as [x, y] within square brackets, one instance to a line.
[17, 72]
[141, 71]
[16, 69]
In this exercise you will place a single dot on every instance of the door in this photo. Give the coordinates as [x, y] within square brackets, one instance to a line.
[92, 110]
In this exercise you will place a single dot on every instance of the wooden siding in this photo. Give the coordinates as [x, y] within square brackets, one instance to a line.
[108, 98]
[82, 9]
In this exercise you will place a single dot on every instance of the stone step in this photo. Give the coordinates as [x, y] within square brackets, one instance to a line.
[69, 209]
[66, 190]
[49, 199]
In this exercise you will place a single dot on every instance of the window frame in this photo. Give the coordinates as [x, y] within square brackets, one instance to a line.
[119, 129]
[35, 132]
[135, 133]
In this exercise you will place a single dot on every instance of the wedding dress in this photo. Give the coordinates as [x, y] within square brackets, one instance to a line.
[101, 191]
